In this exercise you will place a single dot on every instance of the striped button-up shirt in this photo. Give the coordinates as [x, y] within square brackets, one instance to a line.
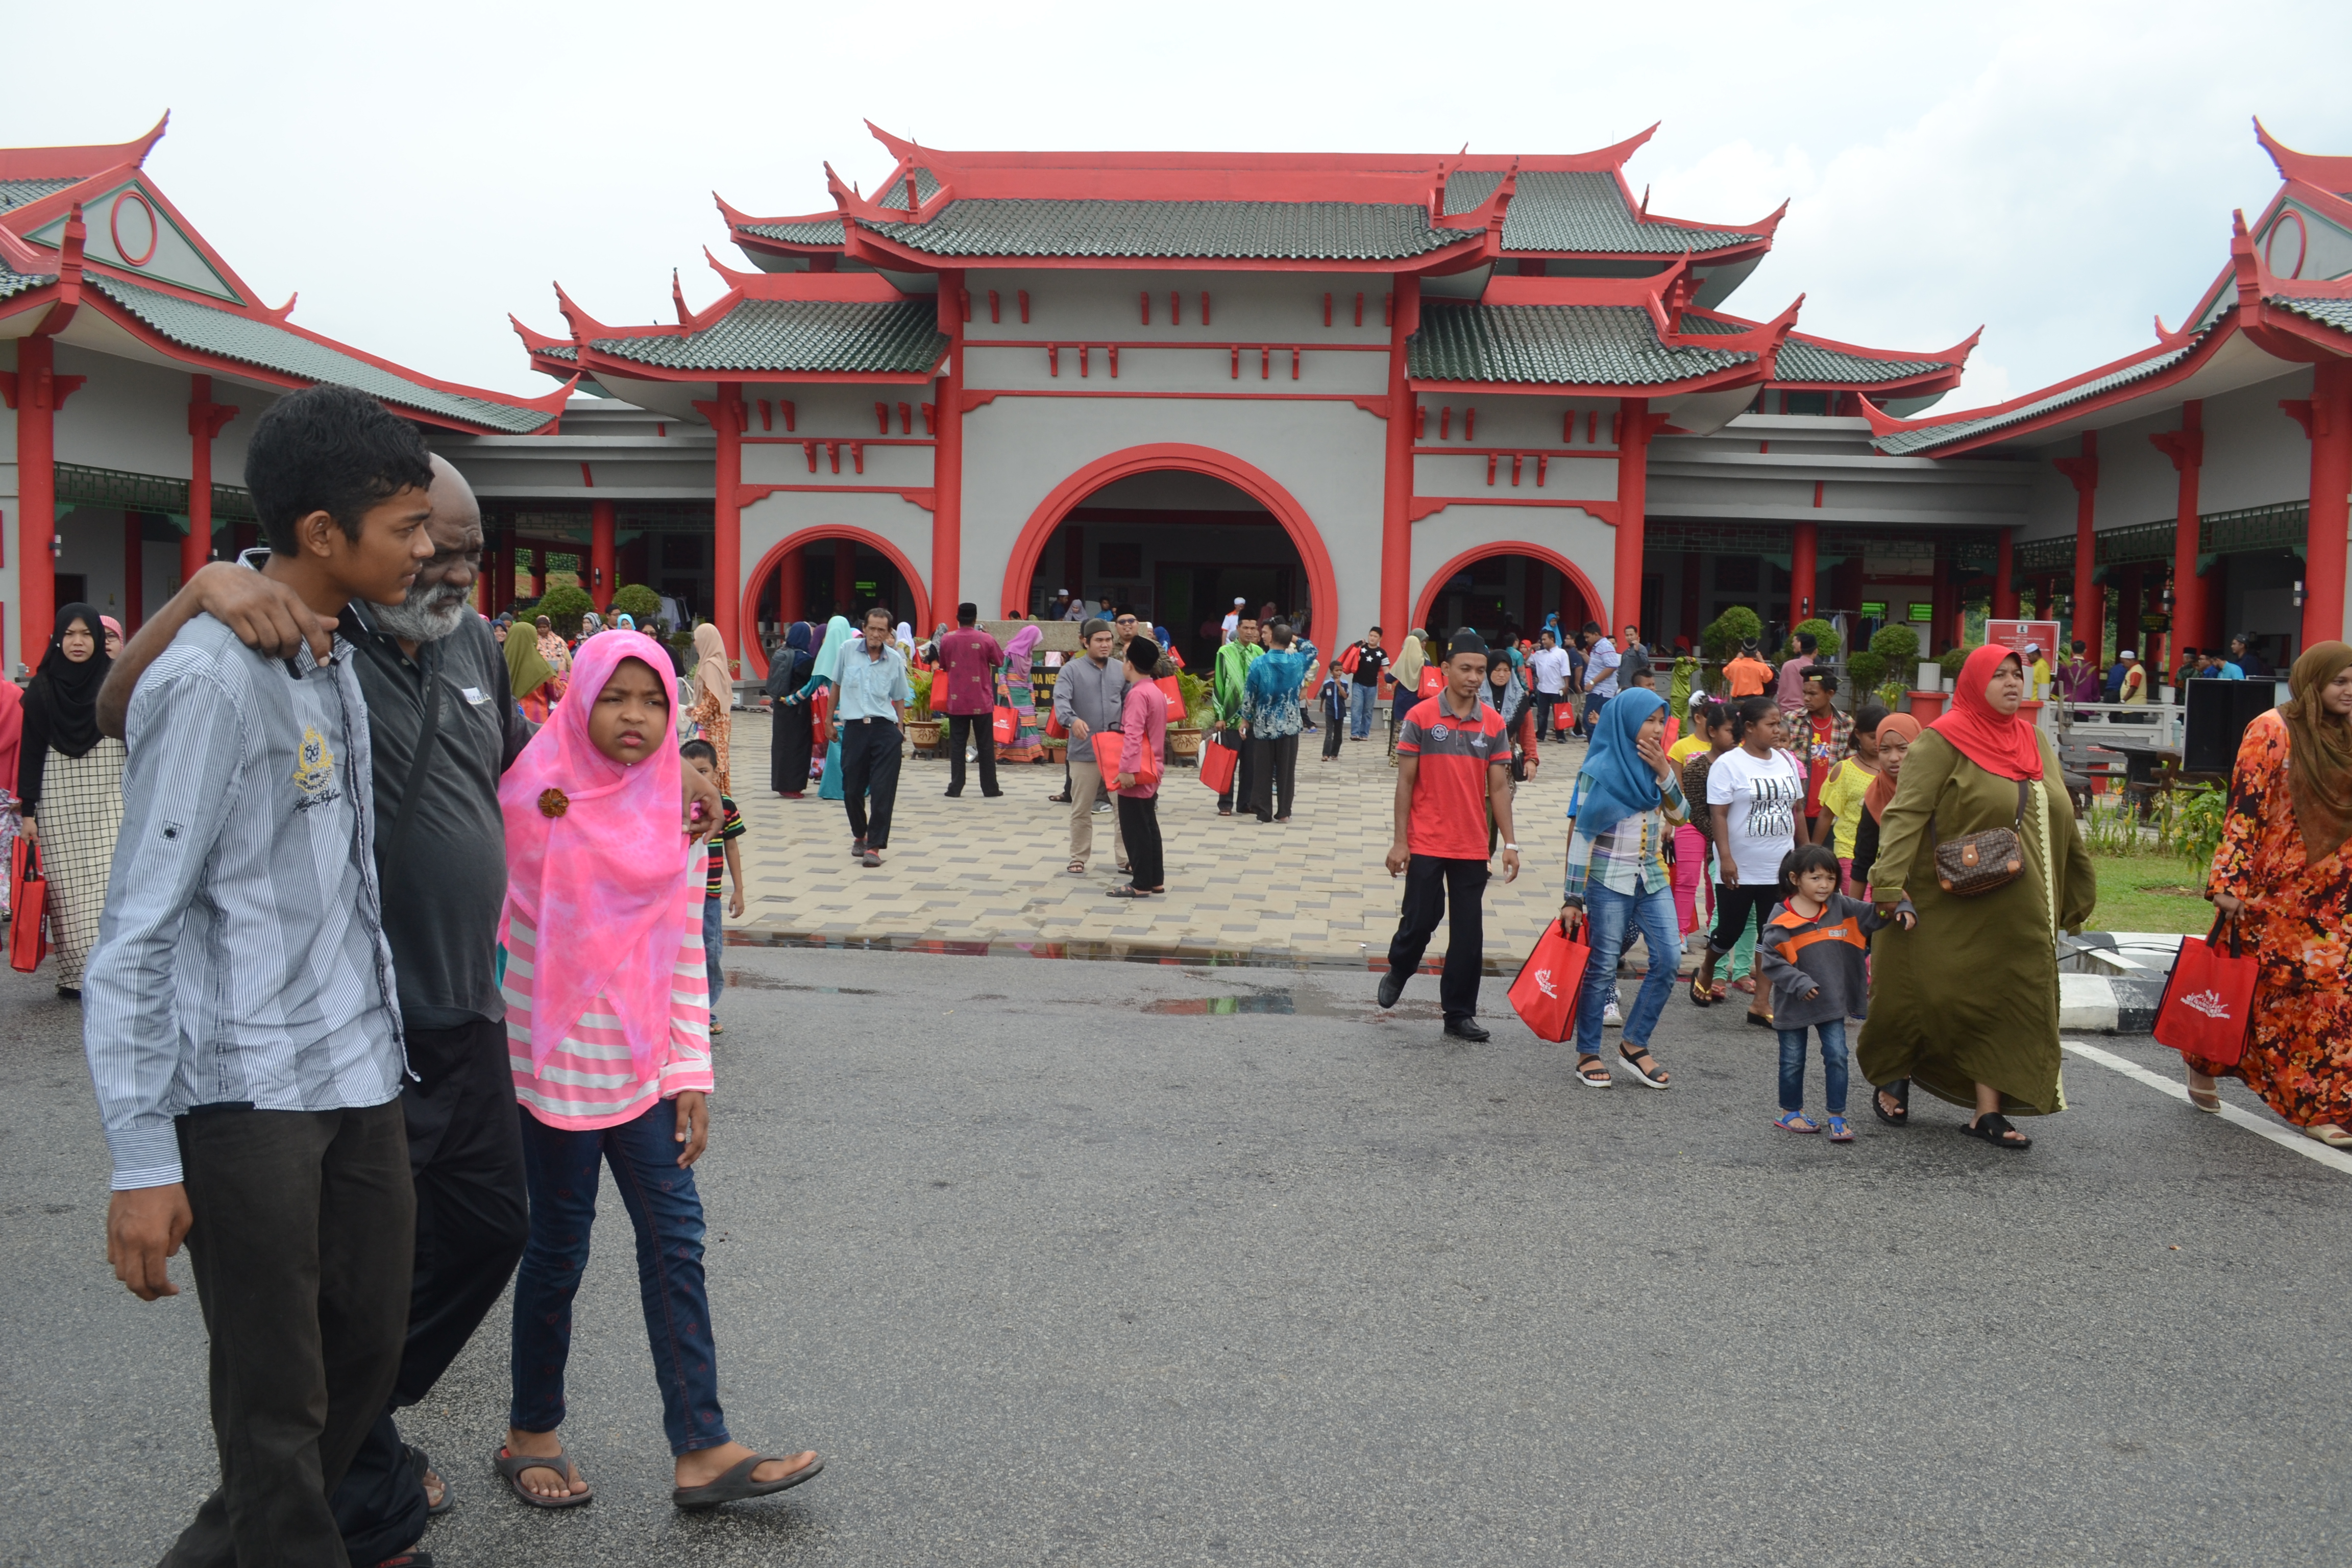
[241, 959]
[1629, 857]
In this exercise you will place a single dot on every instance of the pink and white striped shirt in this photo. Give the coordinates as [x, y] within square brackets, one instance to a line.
[589, 1080]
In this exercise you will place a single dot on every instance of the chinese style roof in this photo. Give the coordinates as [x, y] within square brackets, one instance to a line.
[1226, 207]
[1558, 334]
[90, 244]
[1927, 434]
[767, 326]
[1809, 361]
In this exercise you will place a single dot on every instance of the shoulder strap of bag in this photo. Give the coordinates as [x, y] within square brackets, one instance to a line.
[426, 738]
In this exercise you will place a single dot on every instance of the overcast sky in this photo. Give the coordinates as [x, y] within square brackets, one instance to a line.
[2058, 173]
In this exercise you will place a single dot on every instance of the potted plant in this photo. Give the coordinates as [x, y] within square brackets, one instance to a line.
[923, 726]
[1184, 739]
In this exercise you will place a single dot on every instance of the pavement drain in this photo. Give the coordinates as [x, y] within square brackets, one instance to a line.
[1289, 1003]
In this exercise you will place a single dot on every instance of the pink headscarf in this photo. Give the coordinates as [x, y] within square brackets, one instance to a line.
[110, 624]
[596, 859]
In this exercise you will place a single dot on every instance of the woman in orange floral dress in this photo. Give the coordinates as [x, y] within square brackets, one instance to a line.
[2284, 868]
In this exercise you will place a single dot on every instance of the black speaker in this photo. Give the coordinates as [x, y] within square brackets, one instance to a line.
[2219, 713]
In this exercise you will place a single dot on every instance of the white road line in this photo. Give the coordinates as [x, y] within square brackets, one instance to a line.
[2284, 1137]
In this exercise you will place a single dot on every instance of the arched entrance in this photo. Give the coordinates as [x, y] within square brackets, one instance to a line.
[1507, 583]
[1176, 532]
[840, 569]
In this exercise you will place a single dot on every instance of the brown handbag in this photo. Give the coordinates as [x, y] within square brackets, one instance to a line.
[1978, 862]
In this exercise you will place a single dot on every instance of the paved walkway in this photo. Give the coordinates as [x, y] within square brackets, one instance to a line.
[975, 875]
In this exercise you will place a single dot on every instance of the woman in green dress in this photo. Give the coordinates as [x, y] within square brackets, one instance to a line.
[1966, 1004]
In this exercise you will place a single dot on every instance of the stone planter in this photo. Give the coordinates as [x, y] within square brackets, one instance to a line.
[1055, 749]
[1926, 706]
[925, 733]
[1183, 743]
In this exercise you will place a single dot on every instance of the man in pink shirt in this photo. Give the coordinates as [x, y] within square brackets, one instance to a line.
[969, 660]
[1143, 729]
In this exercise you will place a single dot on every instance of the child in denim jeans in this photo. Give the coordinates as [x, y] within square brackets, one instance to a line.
[1811, 953]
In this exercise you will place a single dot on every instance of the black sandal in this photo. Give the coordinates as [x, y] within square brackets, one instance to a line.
[423, 1465]
[1993, 1128]
[1899, 1091]
[737, 1484]
[1636, 1057]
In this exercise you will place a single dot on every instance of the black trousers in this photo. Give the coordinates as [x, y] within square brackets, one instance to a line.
[869, 768]
[1334, 731]
[1138, 822]
[1244, 779]
[981, 728]
[1274, 782]
[302, 1245]
[792, 743]
[1543, 701]
[1734, 907]
[1430, 885]
[465, 1156]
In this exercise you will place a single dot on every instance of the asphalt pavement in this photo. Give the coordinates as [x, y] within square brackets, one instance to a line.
[1098, 1263]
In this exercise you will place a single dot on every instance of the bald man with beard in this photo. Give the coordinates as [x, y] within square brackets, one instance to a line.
[427, 667]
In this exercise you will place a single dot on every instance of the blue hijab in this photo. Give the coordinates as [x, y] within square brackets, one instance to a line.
[1615, 783]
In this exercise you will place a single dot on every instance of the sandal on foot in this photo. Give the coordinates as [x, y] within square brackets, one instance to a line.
[1794, 1121]
[1761, 1020]
[2334, 1137]
[1651, 1074]
[1128, 890]
[424, 1467]
[1993, 1128]
[511, 1466]
[1700, 995]
[1591, 1074]
[1899, 1091]
[1838, 1132]
[2207, 1100]
[737, 1483]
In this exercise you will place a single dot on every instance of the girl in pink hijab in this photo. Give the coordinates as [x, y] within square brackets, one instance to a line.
[608, 1027]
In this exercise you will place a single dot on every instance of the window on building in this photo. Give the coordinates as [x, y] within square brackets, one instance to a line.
[1806, 403]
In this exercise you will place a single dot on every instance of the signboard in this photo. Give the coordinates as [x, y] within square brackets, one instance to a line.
[1922, 610]
[2014, 635]
[1874, 609]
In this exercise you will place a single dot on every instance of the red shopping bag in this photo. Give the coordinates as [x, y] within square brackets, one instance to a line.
[1054, 728]
[28, 898]
[1167, 683]
[1545, 994]
[2208, 998]
[1107, 746]
[819, 715]
[1007, 724]
[1218, 763]
[1432, 679]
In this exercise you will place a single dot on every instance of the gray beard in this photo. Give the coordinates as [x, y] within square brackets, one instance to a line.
[427, 616]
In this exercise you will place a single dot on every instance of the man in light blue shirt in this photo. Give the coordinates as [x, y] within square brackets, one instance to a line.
[870, 706]
[1601, 662]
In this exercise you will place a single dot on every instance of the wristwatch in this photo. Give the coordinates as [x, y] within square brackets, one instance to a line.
[1512, 847]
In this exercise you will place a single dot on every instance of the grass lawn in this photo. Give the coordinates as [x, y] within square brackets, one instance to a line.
[2151, 892]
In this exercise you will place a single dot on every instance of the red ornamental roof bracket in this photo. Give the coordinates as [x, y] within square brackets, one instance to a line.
[2333, 175]
[79, 163]
[677, 299]
[854, 205]
[68, 284]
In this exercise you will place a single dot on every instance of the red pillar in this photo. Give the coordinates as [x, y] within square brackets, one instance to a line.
[602, 529]
[36, 402]
[946, 460]
[2090, 615]
[1636, 424]
[2186, 447]
[844, 575]
[2004, 576]
[206, 420]
[2330, 427]
[1804, 573]
[134, 571]
[1396, 492]
[792, 588]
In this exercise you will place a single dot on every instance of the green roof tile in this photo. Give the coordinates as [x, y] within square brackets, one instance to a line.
[824, 231]
[2336, 313]
[814, 335]
[1801, 360]
[17, 282]
[1900, 443]
[208, 330]
[1595, 345]
[568, 353]
[1289, 231]
[1560, 209]
[926, 185]
[14, 194]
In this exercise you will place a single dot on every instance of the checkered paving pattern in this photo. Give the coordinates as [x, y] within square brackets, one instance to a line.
[973, 870]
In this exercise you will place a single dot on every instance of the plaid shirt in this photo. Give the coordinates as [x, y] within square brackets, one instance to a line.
[1629, 858]
[1816, 768]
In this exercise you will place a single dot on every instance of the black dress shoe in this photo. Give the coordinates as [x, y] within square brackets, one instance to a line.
[1392, 987]
[1467, 1029]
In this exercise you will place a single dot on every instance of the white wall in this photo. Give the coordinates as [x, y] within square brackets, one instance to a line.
[769, 522]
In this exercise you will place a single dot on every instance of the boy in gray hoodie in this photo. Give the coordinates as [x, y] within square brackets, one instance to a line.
[1812, 954]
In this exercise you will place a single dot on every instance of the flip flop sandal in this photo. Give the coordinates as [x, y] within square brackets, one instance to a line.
[737, 1483]
[1636, 1057]
[1900, 1092]
[1591, 1073]
[417, 1460]
[1794, 1121]
[1761, 1020]
[1077, 868]
[1838, 1132]
[1128, 890]
[1994, 1129]
[1701, 996]
[512, 1466]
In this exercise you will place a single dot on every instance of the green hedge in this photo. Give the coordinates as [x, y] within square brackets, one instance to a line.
[1823, 632]
[1723, 634]
[563, 605]
[638, 601]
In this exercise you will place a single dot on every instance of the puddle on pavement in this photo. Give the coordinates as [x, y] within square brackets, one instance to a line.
[745, 979]
[1286, 1004]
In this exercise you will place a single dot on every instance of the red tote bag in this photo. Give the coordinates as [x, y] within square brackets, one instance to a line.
[28, 898]
[1432, 679]
[1545, 994]
[1167, 683]
[1006, 724]
[1109, 744]
[1218, 765]
[2208, 998]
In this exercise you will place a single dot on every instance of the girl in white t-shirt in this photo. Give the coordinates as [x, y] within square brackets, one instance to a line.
[1756, 802]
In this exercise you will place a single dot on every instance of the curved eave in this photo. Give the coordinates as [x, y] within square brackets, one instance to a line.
[878, 251]
[2188, 364]
[1936, 381]
[1728, 379]
[600, 366]
[746, 241]
[1739, 251]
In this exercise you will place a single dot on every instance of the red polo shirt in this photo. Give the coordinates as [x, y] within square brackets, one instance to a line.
[1448, 818]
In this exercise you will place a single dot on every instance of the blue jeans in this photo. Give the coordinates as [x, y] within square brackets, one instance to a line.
[561, 1170]
[714, 947]
[1793, 1066]
[1607, 914]
[1359, 708]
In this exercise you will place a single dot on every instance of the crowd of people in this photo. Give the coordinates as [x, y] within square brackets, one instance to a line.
[392, 926]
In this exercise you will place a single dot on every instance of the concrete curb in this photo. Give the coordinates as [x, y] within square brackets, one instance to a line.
[2098, 1004]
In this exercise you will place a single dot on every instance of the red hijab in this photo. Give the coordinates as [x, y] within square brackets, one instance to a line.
[2004, 745]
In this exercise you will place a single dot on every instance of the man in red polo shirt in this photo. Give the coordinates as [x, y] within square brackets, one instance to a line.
[1454, 766]
[969, 659]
